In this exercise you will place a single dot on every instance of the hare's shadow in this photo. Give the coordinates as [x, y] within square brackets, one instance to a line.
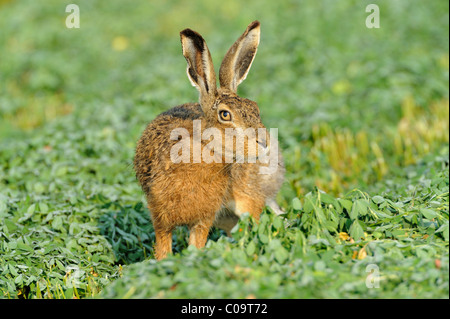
[129, 230]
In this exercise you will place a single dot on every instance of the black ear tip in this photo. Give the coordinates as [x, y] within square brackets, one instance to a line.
[194, 36]
[188, 33]
[253, 25]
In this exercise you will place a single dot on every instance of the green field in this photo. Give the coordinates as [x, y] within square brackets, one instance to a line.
[362, 116]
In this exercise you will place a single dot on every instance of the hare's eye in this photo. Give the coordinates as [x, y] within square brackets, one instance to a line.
[225, 115]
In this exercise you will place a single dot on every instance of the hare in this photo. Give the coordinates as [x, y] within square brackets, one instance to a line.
[201, 193]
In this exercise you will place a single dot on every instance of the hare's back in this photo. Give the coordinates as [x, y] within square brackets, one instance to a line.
[188, 111]
[154, 145]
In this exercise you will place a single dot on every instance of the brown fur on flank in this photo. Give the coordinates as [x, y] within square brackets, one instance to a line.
[201, 195]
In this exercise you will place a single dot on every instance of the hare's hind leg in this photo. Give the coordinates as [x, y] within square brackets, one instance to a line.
[163, 245]
[163, 234]
[226, 219]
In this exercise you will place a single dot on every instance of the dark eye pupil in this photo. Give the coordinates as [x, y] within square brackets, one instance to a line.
[225, 115]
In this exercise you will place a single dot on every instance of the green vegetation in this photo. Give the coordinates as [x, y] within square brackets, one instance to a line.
[323, 252]
[363, 119]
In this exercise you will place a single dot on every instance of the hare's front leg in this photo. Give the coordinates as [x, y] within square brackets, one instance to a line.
[245, 204]
[199, 233]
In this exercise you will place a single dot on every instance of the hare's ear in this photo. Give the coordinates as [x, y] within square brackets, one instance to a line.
[200, 69]
[239, 58]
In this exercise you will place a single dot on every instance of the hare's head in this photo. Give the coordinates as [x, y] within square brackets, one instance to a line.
[223, 109]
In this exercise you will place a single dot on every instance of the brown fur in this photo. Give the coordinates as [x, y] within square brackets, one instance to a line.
[201, 195]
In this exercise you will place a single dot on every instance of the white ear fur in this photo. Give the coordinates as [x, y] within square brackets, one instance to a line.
[239, 58]
[200, 69]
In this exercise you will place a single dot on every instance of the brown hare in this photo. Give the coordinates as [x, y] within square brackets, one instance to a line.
[208, 191]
